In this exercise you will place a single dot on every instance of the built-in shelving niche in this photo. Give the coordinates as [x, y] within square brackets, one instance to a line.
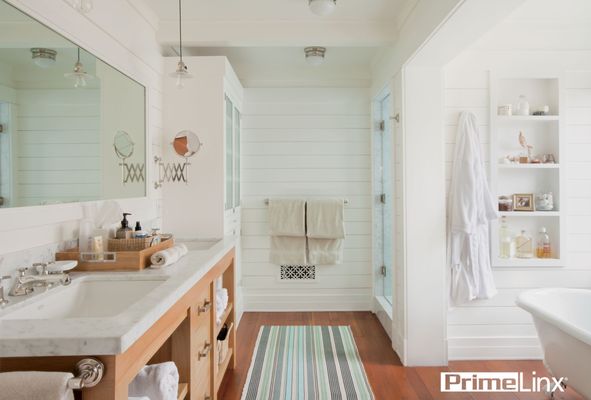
[546, 135]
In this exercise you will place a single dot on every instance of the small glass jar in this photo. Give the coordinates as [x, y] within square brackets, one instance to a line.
[523, 106]
[545, 202]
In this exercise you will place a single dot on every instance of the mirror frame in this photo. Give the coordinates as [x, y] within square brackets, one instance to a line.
[42, 20]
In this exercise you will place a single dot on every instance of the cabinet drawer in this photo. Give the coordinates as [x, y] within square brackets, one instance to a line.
[202, 375]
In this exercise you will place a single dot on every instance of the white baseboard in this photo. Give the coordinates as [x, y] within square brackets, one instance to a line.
[286, 303]
[494, 348]
[384, 315]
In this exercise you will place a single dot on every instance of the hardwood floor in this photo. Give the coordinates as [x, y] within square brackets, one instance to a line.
[388, 378]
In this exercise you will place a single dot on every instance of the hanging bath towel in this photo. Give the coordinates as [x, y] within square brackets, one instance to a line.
[471, 208]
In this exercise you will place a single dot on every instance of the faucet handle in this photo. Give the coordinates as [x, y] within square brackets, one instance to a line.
[41, 268]
[22, 271]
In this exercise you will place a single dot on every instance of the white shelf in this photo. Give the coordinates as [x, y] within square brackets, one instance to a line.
[529, 213]
[546, 134]
[528, 262]
[529, 166]
[540, 118]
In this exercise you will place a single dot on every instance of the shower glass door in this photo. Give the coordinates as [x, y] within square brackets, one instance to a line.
[383, 198]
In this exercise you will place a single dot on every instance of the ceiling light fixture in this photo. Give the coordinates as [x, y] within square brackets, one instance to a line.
[78, 73]
[322, 7]
[315, 55]
[82, 6]
[43, 58]
[182, 72]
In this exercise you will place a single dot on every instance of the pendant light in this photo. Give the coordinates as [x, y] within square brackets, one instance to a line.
[182, 72]
[78, 74]
[322, 8]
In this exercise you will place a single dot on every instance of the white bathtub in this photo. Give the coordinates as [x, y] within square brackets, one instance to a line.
[563, 321]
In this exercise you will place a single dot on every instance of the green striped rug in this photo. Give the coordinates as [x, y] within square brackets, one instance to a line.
[306, 363]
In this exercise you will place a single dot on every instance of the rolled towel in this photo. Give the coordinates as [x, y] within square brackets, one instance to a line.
[27, 385]
[169, 256]
[157, 382]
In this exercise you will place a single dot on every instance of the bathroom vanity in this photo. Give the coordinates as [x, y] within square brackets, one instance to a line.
[129, 320]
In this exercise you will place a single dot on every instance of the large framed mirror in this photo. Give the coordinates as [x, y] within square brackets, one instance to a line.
[61, 113]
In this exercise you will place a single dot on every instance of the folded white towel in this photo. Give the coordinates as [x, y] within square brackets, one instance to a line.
[29, 385]
[325, 251]
[287, 217]
[157, 382]
[325, 219]
[169, 256]
[288, 250]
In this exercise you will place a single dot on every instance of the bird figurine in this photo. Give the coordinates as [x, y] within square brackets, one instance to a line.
[523, 143]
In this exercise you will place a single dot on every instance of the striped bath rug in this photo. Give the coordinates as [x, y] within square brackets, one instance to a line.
[306, 363]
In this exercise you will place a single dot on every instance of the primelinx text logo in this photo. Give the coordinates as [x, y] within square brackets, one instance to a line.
[499, 382]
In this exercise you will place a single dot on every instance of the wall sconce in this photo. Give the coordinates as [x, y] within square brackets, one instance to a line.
[130, 172]
[186, 144]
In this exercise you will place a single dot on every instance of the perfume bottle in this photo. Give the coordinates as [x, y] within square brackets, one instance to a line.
[506, 242]
[543, 247]
[524, 246]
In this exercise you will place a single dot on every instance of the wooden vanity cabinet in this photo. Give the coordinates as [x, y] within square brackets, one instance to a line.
[186, 335]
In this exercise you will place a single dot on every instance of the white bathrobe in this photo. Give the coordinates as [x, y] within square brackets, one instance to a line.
[471, 207]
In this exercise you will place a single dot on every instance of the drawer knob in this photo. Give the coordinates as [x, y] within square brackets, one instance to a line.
[205, 351]
[204, 308]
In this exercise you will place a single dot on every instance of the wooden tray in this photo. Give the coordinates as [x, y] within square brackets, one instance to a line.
[125, 260]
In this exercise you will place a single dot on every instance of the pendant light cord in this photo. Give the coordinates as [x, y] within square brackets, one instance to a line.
[78, 54]
[180, 30]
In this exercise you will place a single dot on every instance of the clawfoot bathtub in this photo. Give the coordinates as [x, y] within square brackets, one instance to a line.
[563, 321]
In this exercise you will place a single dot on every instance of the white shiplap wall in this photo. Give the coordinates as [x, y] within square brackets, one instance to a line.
[497, 328]
[58, 146]
[308, 143]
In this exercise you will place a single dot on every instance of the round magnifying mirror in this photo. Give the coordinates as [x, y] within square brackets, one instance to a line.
[123, 145]
[186, 144]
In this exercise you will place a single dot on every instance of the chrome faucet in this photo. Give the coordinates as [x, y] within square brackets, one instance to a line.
[25, 283]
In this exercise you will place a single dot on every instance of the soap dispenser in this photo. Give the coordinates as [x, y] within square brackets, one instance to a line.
[125, 232]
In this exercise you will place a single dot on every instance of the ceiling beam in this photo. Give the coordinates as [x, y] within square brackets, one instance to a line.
[278, 33]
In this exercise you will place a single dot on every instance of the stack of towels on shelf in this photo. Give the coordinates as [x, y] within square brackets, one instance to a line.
[221, 299]
[169, 256]
[306, 232]
[156, 382]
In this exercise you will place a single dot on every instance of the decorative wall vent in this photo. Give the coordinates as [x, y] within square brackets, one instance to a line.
[298, 273]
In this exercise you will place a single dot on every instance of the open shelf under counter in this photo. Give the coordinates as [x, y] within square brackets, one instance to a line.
[529, 214]
[528, 262]
[222, 369]
[528, 166]
[536, 118]
[223, 319]
[183, 390]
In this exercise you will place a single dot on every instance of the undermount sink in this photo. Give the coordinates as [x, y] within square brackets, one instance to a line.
[86, 299]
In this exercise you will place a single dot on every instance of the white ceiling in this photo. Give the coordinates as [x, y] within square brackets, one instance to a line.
[284, 10]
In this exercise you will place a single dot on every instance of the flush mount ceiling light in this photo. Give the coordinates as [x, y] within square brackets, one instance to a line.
[82, 6]
[78, 74]
[182, 72]
[315, 55]
[43, 58]
[322, 7]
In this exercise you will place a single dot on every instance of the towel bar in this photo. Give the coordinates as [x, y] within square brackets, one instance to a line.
[344, 201]
[89, 373]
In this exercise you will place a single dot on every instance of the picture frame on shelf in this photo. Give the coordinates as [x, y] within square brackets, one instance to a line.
[523, 202]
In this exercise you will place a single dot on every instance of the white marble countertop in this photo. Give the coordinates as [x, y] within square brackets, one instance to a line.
[110, 335]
